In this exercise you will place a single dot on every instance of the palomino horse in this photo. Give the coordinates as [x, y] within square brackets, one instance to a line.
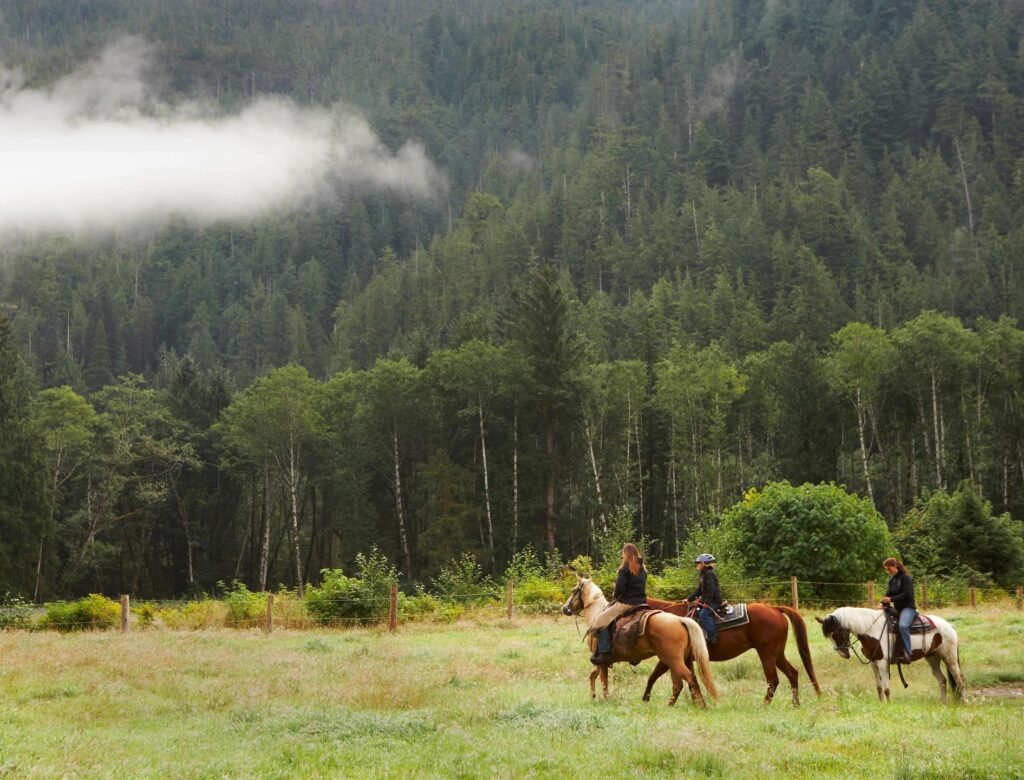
[766, 633]
[678, 643]
[869, 626]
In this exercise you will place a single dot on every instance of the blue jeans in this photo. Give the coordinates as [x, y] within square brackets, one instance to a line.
[707, 621]
[907, 615]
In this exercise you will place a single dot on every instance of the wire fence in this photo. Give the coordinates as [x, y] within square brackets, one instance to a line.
[269, 611]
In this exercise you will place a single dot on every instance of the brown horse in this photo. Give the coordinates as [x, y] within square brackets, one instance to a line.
[677, 641]
[766, 633]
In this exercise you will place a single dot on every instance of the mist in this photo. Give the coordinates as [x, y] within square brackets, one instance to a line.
[97, 152]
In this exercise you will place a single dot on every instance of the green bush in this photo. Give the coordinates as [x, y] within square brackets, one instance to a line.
[820, 533]
[15, 612]
[463, 580]
[193, 615]
[539, 595]
[244, 608]
[92, 612]
[363, 598]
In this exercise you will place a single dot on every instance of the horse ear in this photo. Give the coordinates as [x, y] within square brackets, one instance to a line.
[819, 619]
[578, 577]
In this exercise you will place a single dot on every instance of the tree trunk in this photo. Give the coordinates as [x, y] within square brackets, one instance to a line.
[597, 477]
[265, 547]
[515, 478]
[404, 537]
[487, 484]
[863, 448]
[294, 478]
[939, 483]
[550, 451]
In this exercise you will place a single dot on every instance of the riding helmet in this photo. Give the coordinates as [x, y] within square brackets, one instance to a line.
[705, 558]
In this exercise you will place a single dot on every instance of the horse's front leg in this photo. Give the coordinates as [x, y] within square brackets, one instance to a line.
[593, 676]
[659, 670]
[604, 680]
[878, 679]
[883, 669]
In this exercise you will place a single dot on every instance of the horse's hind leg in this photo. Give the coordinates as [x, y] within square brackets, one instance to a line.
[956, 677]
[791, 674]
[770, 673]
[936, 667]
[659, 670]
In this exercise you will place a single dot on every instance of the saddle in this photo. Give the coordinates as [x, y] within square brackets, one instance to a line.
[631, 625]
[922, 623]
[730, 616]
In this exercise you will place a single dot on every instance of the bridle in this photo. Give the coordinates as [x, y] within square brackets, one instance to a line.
[848, 645]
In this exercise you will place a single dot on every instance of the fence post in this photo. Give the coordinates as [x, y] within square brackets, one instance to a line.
[974, 596]
[871, 593]
[124, 613]
[795, 592]
[510, 591]
[924, 594]
[270, 612]
[393, 609]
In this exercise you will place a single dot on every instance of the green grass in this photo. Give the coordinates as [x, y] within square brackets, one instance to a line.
[478, 698]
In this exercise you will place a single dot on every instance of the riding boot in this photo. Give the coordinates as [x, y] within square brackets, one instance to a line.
[603, 654]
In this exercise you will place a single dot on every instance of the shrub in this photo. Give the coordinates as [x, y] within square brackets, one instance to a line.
[463, 579]
[193, 615]
[244, 608]
[539, 595]
[365, 597]
[820, 533]
[15, 612]
[92, 612]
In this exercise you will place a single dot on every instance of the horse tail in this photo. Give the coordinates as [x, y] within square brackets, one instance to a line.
[800, 630]
[699, 649]
[958, 693]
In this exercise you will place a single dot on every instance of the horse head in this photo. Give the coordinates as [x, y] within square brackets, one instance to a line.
[834, 629]
[582, 596]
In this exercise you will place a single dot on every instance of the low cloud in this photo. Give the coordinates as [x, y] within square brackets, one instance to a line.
[97, 151]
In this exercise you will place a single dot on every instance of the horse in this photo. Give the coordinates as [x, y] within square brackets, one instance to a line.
[766, 633]
[677, 641]
[869, 626]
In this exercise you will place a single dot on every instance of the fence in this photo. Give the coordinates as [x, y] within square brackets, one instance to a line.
[291, 613]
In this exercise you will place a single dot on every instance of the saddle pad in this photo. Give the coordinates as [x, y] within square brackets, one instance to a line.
[733, 616]
[922, 624]
[633, 624]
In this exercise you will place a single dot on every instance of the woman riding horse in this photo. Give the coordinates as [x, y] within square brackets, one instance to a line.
[630, 591]
[900, 596]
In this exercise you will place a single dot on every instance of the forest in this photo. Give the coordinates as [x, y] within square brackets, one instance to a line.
[685, 248]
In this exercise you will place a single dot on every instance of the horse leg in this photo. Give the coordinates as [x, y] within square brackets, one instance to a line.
[878, 679]
[791, 674]
[593, 676]
[604, 681]
[883, 672]
[771, 676]
[936, 667]
[659, 670]
[956, 677]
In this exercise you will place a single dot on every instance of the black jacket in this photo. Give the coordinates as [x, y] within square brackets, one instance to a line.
[901, 591]
[630, 588]
[708, 589]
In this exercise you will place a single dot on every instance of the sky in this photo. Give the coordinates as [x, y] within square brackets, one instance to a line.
[97, 152]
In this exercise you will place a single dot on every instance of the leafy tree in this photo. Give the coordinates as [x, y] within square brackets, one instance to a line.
[818, 533]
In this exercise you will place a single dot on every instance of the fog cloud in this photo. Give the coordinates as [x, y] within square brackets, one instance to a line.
[96, 151]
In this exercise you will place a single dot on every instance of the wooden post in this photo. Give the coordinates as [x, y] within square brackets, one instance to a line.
[924, 595]
[270, 612]
[393, 609]
[124, 613]
[510, 591]
[871, 594]
[974, 596]
[795, 592]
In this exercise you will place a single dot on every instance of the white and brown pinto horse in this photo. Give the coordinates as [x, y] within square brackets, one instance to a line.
[677, 641]
[869, 626]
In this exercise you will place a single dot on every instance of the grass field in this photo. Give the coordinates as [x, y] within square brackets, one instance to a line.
[480, 698]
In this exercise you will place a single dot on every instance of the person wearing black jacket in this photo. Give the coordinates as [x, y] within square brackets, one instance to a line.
[630, 591]
[900, 595]
[708, 595]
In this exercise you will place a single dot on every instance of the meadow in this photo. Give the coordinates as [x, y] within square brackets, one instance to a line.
[481, 697]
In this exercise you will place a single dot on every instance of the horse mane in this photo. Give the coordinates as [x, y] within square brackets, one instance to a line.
[593, 593]
[859, 620]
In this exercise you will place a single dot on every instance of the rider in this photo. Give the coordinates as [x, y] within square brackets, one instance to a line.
[708, 595]
[900, 595]
[630, 591]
